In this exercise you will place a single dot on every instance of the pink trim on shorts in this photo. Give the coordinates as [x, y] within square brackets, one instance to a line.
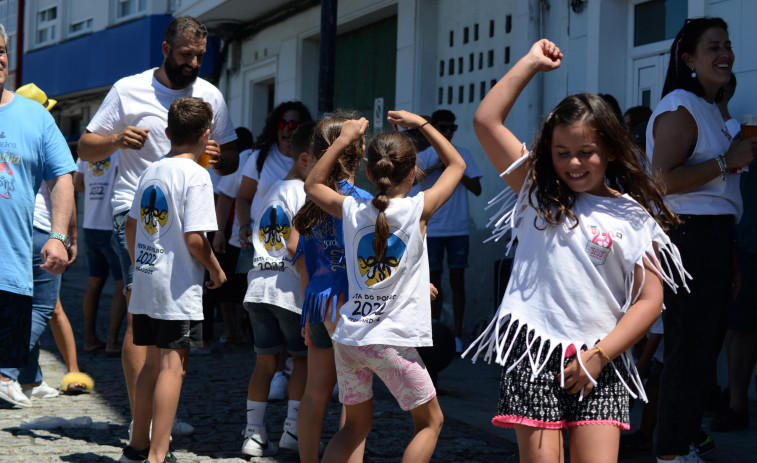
[620, 424]
[509, 421]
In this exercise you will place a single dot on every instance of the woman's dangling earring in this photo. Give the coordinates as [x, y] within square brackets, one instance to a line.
[693, 73]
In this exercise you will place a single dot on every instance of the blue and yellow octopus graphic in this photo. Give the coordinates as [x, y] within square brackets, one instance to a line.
[98, 168]
[371, 269]
[274, 228]
[153, 209]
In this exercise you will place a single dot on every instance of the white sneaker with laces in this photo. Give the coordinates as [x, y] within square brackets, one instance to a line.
[289, 436]
[256, 443]
[43, 391]
[279, 386]
[10, 391]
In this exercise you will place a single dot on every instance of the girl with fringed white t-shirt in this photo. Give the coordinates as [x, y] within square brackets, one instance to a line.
[588, 272]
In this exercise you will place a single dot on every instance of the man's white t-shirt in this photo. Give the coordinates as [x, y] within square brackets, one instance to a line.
[452, 218]
[99, 178]
[174, 196]
[141, 101]
[273, 278]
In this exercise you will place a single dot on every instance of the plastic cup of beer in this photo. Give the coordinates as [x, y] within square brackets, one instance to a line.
[748, 126]
[204, 160]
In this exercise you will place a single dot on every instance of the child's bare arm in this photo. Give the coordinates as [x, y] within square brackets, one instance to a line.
[199, 246]
[315, 185]
[130, 232]
[500, 145]
[629, 330]
[440, 192]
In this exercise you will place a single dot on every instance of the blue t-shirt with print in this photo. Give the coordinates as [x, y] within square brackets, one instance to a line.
[32, 149]
[324, 259]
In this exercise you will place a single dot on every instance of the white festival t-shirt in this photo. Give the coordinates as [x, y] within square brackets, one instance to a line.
[571, 285]
[141, 101]
[389, 301]
[99, 178]
[273, 278]
[275, 168]
[174, 196]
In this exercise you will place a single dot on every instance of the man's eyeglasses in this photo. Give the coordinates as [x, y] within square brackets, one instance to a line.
[443, 127]
[291, 124]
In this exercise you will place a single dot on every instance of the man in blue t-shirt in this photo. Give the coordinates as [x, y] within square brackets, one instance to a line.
[32, 149]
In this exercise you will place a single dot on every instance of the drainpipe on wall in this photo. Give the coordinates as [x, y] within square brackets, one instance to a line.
[327, 61]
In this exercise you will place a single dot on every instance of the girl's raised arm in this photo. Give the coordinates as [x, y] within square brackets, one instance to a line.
[454, 168]
[315, 185]
[501, 146]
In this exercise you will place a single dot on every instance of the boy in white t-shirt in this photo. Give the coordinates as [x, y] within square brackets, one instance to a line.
[172, 209]
[274, 299]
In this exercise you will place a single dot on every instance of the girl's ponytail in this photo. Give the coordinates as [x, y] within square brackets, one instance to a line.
[391, 158]
[382, 172]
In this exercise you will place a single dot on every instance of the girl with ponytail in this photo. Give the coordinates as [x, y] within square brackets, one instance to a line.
[322, 246]
[387, 313]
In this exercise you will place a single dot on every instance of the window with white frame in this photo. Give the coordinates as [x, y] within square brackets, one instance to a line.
[47, 21]
[128, 8]
[80, 27]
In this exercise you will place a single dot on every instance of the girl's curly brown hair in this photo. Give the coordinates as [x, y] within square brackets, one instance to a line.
[628, 173]
[326, 131]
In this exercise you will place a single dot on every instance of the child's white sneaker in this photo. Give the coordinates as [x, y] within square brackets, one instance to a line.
[256, 443]
[289, 436]
[43, 391]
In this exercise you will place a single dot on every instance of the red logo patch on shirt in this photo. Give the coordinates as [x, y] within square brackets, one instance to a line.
[600, 245]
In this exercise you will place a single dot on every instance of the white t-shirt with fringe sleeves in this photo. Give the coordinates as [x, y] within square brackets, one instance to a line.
[573, 285]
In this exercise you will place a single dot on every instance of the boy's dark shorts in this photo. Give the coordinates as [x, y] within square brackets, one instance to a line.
[166, 334]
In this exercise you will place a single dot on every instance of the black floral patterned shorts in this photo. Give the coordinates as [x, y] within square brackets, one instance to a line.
[540, 401]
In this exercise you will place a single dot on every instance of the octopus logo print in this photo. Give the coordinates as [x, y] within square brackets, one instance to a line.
[274, 229]
[600, 245]
[100, 167]
[373, 270]
[153, 211]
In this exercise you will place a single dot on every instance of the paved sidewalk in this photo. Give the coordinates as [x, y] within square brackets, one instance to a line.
[213, 401]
